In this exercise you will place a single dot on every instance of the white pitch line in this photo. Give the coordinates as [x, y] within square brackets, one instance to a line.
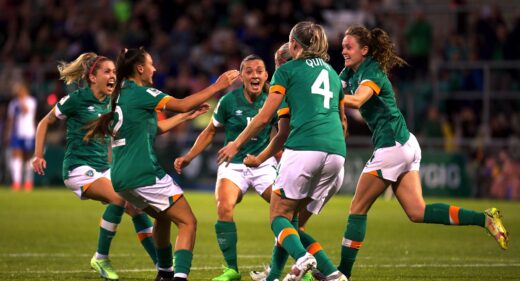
[418, 265]
[66, 255]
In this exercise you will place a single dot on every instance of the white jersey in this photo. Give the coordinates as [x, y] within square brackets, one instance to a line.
[23, 114]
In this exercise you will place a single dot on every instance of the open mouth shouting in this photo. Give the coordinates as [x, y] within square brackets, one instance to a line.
[255, 84]
[111, 84]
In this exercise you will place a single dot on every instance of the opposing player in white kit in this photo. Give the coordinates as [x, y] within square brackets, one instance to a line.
[233, 112]
[21, 114]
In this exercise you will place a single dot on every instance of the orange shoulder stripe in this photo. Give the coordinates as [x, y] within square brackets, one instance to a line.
[278, 89]
[160, 106]
[372, 85]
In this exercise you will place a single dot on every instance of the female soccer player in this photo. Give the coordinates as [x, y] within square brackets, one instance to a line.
[233, 112]
[315, 150]
[369, 55]
[86, 167]
[136, 174]
[21, 115]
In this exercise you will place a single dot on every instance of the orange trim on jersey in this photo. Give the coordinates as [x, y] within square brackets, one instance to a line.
[314, 248]
[454, 215]
[286, 232]
[372, 86]
[283, 111]
[277, 191]
[277, 88]
[160, 106]
[374, 173]
[86, 186]
[143, 236]
[342, 102]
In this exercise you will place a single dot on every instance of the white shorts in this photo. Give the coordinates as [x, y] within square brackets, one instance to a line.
[160, 196]
[390, 162]
[259, 178]
[309, 174]
[80, 179]
[315, 206]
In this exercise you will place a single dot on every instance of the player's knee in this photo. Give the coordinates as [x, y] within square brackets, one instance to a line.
[116, 200]
[225, 210]
[191, 224]
[415, 216]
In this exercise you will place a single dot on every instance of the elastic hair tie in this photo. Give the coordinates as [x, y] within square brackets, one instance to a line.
[94, 64]
[305, 46]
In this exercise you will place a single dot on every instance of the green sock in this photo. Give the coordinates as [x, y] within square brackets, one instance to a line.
[183, 260]
[352, 241]
[144, 228]
[165, 258]
[108, 227]
[279, 257]
[324, 264]
[288, 237]
[441, 213]
[227, 242]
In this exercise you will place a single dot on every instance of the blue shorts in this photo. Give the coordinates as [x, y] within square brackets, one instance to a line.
[26, 145]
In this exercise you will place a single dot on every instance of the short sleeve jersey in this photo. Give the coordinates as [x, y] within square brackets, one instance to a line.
[23, 120]
[134, 163]
[78, 109]
[234, 112]
[380, 112]
[312, 92]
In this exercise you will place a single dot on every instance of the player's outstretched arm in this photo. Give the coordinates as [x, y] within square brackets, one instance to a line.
[164, 126]
[202, 141]
[192, 101]
[39, 164]
[256, 125]
[275, 145]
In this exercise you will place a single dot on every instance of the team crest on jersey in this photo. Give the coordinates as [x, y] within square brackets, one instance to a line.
[238, 112]
[91, 108]
[89, 173]
[154, 92]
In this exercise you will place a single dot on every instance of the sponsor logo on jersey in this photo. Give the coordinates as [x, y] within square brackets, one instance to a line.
[89, 173]
[238, 112]
[91, 108]
[154, 92]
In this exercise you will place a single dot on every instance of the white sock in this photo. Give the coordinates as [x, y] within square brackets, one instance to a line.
[29, 174]
[16, 170]
[101, 257]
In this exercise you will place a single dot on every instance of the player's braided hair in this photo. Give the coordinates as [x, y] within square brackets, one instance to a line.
[312, 38]
[125, 68]
[80, 68]
[379, 44]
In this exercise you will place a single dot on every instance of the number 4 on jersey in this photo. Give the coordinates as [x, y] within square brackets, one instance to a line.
[321, 86]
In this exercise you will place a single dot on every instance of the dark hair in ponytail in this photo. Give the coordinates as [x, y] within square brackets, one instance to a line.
[379, 44]
[125, 68]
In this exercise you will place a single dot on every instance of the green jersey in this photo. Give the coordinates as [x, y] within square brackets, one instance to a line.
[234, 112]
[380, 112]
[79, 108]
[134, 163]
[312, 92]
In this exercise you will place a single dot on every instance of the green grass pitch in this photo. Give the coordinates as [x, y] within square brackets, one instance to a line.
[51, 235]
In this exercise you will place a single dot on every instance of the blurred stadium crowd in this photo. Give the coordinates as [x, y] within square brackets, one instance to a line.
[460, 93]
